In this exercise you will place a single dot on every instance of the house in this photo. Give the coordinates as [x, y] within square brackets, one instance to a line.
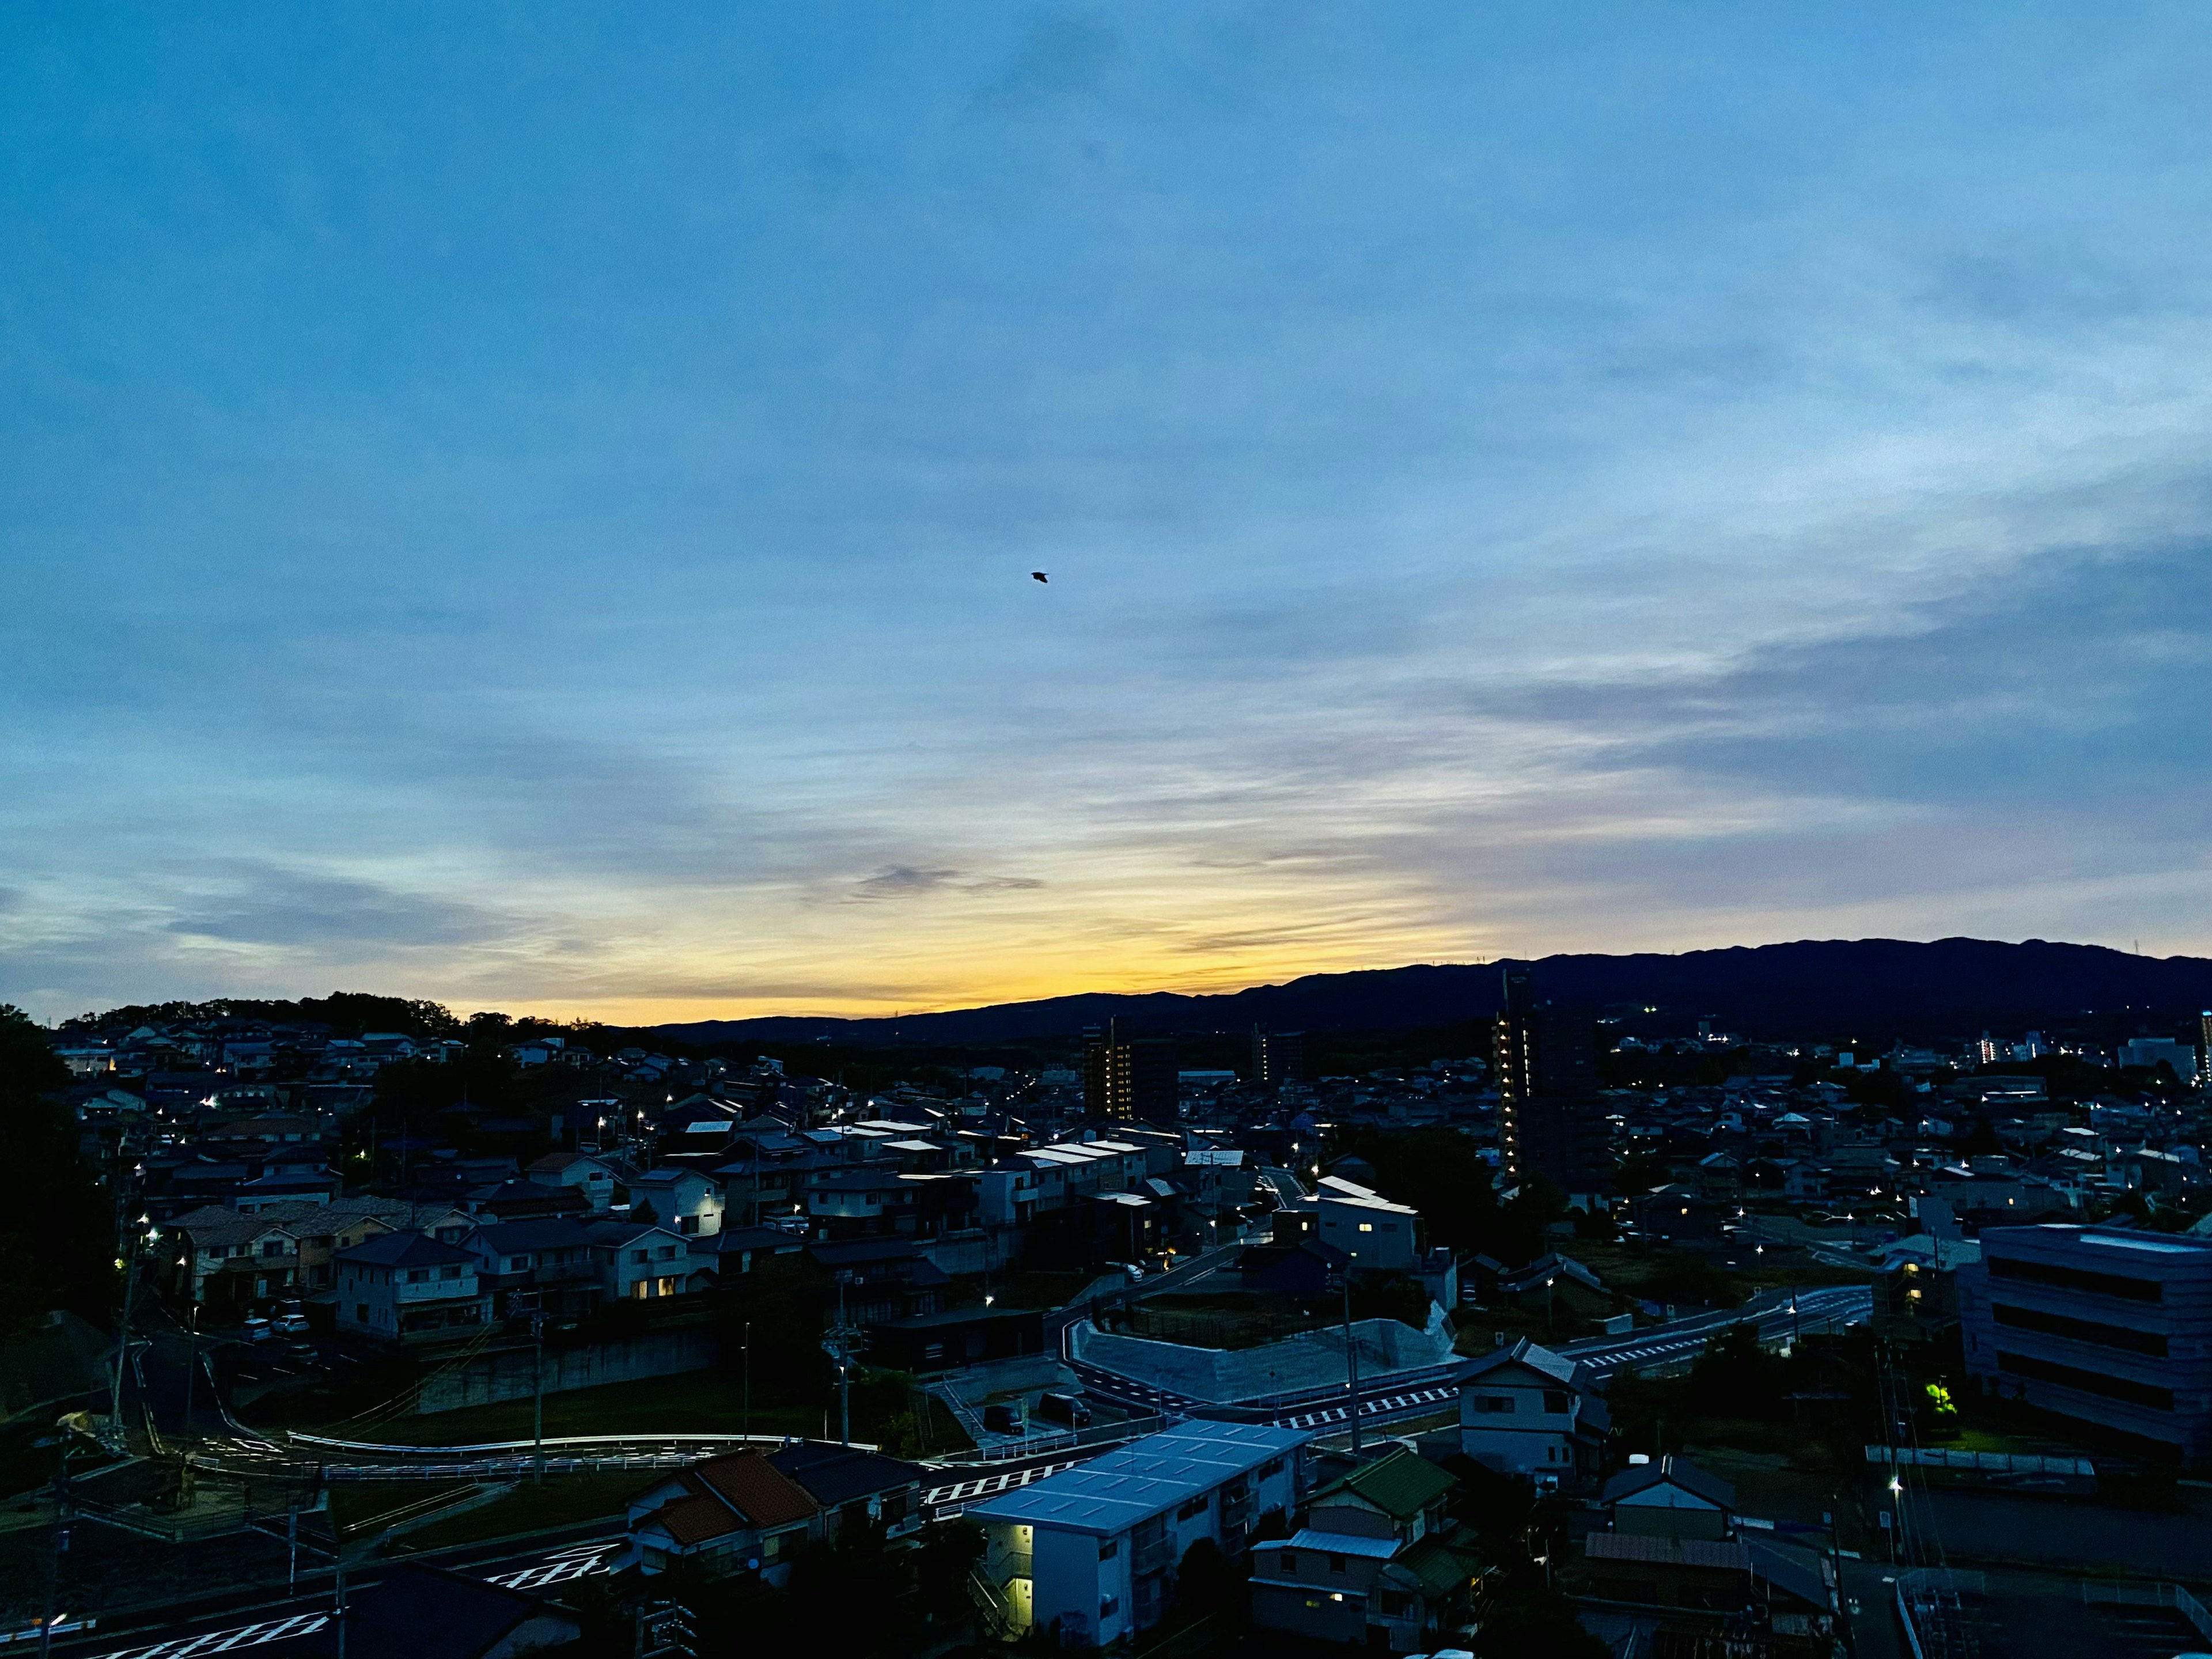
[956, 1337]
[683, 1201]
[1677, 1213]
[736, 1514]
[551, 1267]
[412, 1611]
[1378, 1235]
[595, 1178]
[235, 1259]
[406, 1287]
[1554, 1285]
[641, 1261]
[1376, 1563]
[527, 1200]
[1306, 1269]
[1674, 1553]
[1091, 1552]
[851, 1485]
[1525, 1410]
[1671, 1499]
[729, 1251]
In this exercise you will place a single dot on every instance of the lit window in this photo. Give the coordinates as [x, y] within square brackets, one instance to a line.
[1366, 1226]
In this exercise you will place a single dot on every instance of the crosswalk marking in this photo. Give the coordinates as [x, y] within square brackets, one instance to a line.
[223, 1641]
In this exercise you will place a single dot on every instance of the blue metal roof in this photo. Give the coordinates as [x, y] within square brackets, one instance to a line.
[1113, 1493]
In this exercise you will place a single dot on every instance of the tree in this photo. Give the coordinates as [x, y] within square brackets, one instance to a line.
[1390, 1296]
[1736, 1377]
[946, 1554]
[1207, 1582]
[57, 1243]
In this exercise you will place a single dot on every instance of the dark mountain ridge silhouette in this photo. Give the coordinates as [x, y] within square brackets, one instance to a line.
[1871, 991]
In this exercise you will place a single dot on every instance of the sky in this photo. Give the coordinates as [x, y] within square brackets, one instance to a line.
[532, 505]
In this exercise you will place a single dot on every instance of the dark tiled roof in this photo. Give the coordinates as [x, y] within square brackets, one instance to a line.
[1670, 1471]
[1400, 1484]
[405, 1250]
[838, 1474]
[546, 1233]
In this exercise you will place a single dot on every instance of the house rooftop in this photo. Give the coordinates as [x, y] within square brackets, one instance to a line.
[1400, 1483]
[405, 1249]
[1671, 1471]
[1340, 1543]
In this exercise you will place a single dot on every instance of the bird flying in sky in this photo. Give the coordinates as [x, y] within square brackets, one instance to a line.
[1036, 575]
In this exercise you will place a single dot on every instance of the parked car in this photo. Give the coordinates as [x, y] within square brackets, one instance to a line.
[258, 1329]
[290, 1324]
[1061, 1406]
[1002, 1420]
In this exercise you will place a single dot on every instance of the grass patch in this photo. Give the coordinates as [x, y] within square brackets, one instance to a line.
[368, 1506]
[561, 1500]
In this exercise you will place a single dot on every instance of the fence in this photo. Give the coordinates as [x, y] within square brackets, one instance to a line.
[609, 1443]
[1098, 1434]
[1939, 1457]
[2113, 1594]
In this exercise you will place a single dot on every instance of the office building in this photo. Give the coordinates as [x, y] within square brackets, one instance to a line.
[2149, 1052]
[2108, 1326]
[1092, 1551]
[1130, 1078]
[1551, 1121]
[1278, 1057]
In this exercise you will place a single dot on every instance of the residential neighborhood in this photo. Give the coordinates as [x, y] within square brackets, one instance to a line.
[1344, 1360]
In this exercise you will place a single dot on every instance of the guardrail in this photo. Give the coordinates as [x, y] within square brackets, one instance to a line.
[1098, 1434]
[664, 1442]
[501, 1467]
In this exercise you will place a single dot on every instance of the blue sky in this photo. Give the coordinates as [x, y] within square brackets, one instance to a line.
[532, 506]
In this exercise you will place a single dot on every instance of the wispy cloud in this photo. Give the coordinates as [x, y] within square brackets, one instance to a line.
[566, 545]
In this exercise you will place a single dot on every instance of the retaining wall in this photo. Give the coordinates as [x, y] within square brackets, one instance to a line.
[508, 1374]
[1314, 1359]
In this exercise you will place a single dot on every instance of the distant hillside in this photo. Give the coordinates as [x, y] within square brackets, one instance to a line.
[1871, 990]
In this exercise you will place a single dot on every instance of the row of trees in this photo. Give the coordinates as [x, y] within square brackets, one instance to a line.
[56, 1230]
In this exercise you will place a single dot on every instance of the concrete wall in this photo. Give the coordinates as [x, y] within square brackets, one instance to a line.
[507, 1373]
[1312, 1360]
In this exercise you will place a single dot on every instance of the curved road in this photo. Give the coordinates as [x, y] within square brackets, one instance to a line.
[1777, 1314]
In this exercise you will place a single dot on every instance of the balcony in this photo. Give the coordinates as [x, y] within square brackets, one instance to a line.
[1153, 1555]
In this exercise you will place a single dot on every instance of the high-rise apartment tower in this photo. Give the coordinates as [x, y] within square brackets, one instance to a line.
[1551, 1119]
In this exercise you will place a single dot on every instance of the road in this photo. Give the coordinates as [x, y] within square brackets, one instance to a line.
[1777, 1314]
[1180, 1278]
[164, 1635]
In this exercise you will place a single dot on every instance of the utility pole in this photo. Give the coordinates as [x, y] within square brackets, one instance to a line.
[192, 1361]
[842, 1343]
[122, 1333]
[748, 1377]
[538, 1388]
[1351, 1358]
[60, 1549]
